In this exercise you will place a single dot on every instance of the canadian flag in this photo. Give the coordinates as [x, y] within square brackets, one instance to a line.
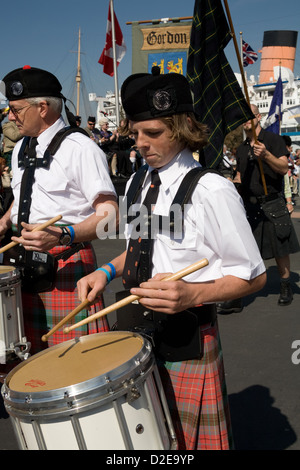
[107, 56]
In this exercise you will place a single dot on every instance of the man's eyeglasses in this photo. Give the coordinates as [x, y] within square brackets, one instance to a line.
[91, 124]
[16, 112]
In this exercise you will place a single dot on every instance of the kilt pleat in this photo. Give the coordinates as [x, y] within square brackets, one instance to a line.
[43, 311]
[197, 397]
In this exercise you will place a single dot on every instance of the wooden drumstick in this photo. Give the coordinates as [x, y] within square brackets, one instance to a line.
[72, 314]
[121, 303]
[36, 229]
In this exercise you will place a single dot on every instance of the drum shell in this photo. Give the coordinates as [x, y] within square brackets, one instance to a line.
[126, 395]
[12, 336]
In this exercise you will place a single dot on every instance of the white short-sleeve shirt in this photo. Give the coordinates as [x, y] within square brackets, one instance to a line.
[77, 174]
[215, 227]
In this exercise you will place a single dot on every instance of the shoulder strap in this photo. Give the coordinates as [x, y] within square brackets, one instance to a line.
[136, 185]
[56, 143]
[134, 190]
[25, 196]
[188, 184]
[52, 147]
[61, 135]
[22, 151]
[184, 194]
[184, 191]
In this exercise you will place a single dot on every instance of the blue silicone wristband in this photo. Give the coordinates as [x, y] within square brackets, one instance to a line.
[107, 274]
[113, 270]
[72, 232]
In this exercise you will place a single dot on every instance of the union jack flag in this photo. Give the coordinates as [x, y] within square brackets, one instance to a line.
[249, 56]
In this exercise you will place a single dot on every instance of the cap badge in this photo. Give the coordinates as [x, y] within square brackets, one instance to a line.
[16, 88]
[162, 100]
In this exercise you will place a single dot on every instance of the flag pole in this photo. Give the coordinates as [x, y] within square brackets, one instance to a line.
[280, 111]
[115, 61]
[238, 54]
[241, 56]
[78, 75]
[241, 47]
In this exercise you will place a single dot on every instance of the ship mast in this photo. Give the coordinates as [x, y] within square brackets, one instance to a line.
[78, 76]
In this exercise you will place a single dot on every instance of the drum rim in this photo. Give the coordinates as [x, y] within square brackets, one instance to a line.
[12, 272]
[9, 278]
[82, 394]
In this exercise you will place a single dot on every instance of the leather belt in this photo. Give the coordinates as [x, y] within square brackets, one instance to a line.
[74, 248]
[267, 198]
[206, 313]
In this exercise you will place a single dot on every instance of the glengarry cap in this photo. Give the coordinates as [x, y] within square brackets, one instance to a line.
[150, 96]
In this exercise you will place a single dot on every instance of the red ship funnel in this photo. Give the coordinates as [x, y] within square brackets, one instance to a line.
[279, 48]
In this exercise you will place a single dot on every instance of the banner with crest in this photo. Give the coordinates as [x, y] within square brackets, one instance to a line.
[162, 43]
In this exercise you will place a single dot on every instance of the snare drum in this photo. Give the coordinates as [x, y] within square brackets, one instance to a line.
[97, 392]
[13, 343]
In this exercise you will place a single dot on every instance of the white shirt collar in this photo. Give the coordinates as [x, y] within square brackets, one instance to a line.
[176, 168]
[45, 138]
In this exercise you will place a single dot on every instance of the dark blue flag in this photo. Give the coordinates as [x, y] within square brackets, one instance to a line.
[274, 118]
[218, 98]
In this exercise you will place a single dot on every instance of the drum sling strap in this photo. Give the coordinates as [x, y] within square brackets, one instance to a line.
[37, 269]
[174, 337]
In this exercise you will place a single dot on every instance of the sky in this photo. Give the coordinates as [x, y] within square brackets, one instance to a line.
[45, 34]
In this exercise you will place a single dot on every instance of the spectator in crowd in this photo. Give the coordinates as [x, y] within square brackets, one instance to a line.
[92, 131]
[11, 135]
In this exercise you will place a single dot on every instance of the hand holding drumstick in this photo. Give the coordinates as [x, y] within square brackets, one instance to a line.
[172, 277]
[38, 228]
[42, 241]
[121, 303]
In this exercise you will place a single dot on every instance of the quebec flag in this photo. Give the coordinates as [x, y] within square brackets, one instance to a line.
[273, 120]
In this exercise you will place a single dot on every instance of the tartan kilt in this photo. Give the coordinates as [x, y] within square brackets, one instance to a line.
[197, 397]
[41, 312]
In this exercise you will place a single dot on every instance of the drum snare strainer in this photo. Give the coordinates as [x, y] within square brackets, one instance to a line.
[100, 391]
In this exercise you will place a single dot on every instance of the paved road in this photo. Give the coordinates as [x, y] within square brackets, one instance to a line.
[262, 380]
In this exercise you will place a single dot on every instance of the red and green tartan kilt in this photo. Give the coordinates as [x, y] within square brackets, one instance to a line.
[43, 311]
[197, 397]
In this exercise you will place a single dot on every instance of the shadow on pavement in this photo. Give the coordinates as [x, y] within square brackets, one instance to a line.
[258, 424]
